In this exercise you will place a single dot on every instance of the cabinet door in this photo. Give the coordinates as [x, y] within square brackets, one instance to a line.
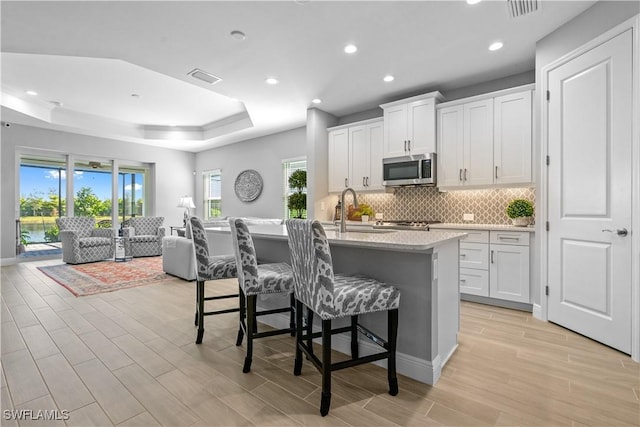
[375, 135]
[338, 160]
[450, 143]
[478, 143]
[421, 126]
[474, 282]
[395, 131]
[512, 138]
[474, 255]
[358, 158]
[509, 272]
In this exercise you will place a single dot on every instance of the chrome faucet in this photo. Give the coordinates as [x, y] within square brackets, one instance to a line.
[343, 225]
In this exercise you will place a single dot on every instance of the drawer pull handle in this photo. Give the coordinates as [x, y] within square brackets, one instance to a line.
[508, 238]
[463, 280]
[463, 255]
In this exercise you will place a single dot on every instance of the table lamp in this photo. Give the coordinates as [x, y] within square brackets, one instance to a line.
[186, 202]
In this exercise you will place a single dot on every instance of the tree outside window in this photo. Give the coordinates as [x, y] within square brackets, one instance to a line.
[212, 194]
[294, 172]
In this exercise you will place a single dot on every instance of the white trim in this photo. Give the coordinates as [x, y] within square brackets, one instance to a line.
[537, 311]
[516, 89]
[413, 367]
[634, 25]
[359, 123]
[8, 261]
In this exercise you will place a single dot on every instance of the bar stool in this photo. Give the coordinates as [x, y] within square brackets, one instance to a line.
[254, 280]
[332, 296]
[208, 268]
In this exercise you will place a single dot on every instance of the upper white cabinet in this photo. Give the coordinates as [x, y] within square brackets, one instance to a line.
[355, 156]
[409, 125]
[512, 138]
[485, 140]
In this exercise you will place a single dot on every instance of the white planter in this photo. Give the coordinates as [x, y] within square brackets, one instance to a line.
[365, 218]
[522, 221]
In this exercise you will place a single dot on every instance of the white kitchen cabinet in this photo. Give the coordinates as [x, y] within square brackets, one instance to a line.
[485, 140]
[338, 160]
[355, 156]
[410, 125]
[509, 272]
[495, 264]
[512, 138]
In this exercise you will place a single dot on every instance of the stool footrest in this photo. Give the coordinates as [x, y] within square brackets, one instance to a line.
[228, 310]
[220, 297]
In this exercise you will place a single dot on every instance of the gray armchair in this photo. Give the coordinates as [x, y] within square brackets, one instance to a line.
[82, 242]
[144, 236]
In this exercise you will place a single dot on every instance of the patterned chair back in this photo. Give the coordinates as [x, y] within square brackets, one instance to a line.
[200, 247]
[312, 265]
[82, 225]
[246, 261]
[146, 225]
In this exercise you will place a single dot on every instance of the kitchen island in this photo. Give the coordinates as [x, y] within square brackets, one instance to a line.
[423, 265]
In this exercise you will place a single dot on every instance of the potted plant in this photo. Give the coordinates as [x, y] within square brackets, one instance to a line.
[520, 212]
[364, 212]
[297, 202]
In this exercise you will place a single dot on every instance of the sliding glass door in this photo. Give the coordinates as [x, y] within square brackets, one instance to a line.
[131, 193]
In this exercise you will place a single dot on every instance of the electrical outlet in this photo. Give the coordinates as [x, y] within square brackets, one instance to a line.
[468, 217]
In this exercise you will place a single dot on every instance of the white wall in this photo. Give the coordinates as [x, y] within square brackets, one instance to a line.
[318, 201]
[173, 171]
[265, 155]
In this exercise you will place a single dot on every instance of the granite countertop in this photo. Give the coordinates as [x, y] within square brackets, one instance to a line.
[498, 227]
[395, 240]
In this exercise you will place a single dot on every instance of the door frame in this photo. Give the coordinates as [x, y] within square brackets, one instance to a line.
[542, 215]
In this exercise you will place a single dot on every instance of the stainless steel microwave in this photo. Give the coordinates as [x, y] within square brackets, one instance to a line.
[418, 169]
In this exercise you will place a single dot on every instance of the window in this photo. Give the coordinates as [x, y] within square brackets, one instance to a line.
[212, 194]
[131, 192]
[299, 210]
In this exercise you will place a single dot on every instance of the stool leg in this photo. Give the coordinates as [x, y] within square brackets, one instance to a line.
[251, 318]
[392, 325]
[200, 293]
[243, 312]
[255, 310]
[297, 365]
[325, 400]
[195, 321]
[309, 330]
[354, 337]
[292, 318]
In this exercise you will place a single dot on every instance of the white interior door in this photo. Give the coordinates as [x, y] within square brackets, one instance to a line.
[589, 198]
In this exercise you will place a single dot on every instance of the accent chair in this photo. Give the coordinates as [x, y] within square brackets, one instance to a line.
[82, 242]
[144, 236]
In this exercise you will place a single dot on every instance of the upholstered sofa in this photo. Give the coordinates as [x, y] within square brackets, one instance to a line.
[82, 242]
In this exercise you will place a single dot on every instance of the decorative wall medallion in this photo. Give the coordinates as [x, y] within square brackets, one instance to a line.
[248, 185]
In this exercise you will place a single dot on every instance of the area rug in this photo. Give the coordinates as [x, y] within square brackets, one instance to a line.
[107, 276]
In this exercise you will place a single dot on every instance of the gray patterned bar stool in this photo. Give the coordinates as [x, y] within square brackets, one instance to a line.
[332, 296]
[208, 267]
[255, 280]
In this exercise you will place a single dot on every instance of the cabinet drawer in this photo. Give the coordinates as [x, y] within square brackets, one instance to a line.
[510, 237]
[474, 255]
[474, 282]
[476, 236]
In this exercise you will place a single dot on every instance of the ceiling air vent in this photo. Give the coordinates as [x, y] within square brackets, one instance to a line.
[522, 7]
[204, 76]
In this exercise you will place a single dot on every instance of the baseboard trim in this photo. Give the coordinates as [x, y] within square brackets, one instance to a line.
[410, 366]
[537, 312]
[8, 261]
[497, 302]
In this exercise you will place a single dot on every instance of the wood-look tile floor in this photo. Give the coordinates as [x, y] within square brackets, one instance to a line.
[128, 358]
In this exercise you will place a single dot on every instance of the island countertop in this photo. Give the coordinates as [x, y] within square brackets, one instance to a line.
[393, 240]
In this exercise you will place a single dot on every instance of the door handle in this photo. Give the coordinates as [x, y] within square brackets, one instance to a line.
[363, 184]
[491, 257]
[346, 184]
[465, 174]
[409, 143]
[460, 175]
[367, 181]
[622, 232]
[405, 145]
[496, 172]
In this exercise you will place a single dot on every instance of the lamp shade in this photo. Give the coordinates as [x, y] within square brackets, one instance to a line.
[186, 202]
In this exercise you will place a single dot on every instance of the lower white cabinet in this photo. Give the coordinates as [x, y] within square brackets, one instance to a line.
[495, 264]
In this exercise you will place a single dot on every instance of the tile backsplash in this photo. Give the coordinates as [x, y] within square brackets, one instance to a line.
[416, 203]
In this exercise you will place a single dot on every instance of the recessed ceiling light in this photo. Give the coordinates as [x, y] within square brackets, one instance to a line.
[495, 46]
[56, 103]
[388, 78]
[238, 35]
[271, 81]
[135, 95]
[316, 100]
[473, 1]
[350, 48]
[32, 93]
